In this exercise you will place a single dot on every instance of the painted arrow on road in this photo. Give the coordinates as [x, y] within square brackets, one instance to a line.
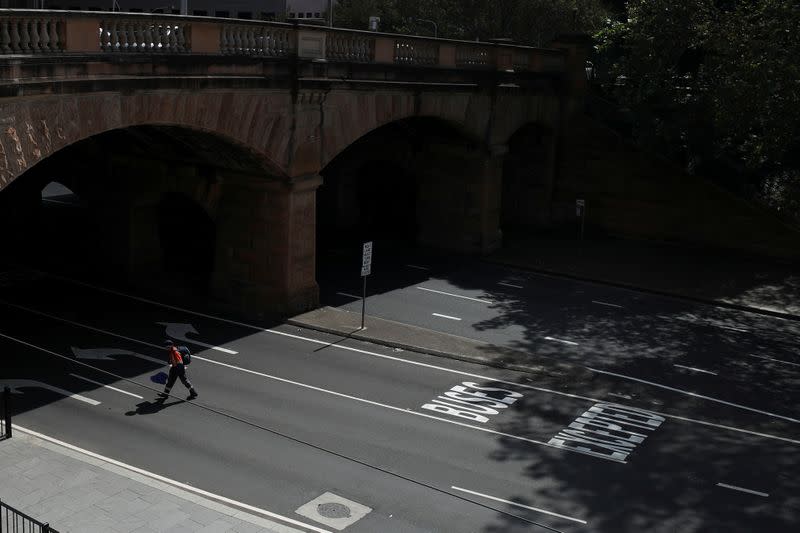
[179, 331]
[16, 384]
[99, 354]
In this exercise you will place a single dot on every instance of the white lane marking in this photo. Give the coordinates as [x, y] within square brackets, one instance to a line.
[504, 284]
[349, 295]
[773, 359]
[172, 482]
[620, 395]
[561, 341]
[107, 386]
[19, 383]
[417, 267]
[538, 510]
[693, 369]
[318, 389]
[742, 489]
[456, 295]
[695, 395]
[598, 302]
[446, 316]
[180, 331]
[731, 328]
[388, 357]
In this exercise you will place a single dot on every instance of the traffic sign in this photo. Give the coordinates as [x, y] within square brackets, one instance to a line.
[366, 259]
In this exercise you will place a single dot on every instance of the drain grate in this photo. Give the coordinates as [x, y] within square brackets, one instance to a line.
[333, 510]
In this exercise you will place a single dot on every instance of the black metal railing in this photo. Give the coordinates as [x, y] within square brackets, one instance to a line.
[13, 521]
[5, 415]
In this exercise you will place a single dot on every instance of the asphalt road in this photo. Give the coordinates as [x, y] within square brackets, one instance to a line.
[427, 444]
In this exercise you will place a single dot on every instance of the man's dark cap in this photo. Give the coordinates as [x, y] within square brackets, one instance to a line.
[168, 343]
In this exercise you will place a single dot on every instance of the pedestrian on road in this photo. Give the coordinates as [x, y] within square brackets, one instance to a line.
[176, 370]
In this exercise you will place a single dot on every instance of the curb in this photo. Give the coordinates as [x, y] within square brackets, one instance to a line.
[648, 290]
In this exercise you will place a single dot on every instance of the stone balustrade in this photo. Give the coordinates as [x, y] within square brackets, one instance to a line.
[26, 32]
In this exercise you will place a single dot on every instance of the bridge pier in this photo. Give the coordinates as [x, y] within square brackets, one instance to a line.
[265, 258]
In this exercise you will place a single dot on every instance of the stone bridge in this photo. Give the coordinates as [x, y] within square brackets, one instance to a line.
[243, 121]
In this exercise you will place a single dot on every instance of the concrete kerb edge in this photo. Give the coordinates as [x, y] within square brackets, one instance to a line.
[419, 349]
[649, 290]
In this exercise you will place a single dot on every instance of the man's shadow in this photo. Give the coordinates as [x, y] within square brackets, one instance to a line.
[149, 408]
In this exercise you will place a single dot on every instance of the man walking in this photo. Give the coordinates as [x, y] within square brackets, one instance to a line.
[177, 369]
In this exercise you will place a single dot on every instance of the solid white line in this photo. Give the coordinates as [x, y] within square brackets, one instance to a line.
[107, 386]
[607, 304]
[731, 328]
[401, 360]
[561, 340]
[693, 369]
[695, 395]
[445, 316]
[349, 295]
[773, 359]
[418, 267]
[172, 482]
[504, 284]
[455, 295]
[742, 489]
[520, 505]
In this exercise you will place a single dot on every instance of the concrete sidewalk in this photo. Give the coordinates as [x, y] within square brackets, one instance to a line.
[80, 493]
[724, 278]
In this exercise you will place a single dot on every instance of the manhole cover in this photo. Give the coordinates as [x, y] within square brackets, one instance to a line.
[333, 510]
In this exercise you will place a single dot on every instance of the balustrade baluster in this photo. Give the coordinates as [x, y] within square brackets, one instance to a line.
[180, 35]
[15, 37]
[35, 42]
[172, 38]
[237, 39]
[223, 45]
[5, 37]
[125, 32]
[147, 45]
[138, 35]
[44, 36]
[25, 36]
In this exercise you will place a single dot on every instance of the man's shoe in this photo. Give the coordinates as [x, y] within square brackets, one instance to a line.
[192, 395]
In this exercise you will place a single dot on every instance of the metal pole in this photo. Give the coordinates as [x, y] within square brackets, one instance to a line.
[330, 12]
[364, 302]
[583, 218]
[7, 410]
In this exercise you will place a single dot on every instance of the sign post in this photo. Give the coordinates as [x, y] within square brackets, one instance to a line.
[580, 210]
[366, 270]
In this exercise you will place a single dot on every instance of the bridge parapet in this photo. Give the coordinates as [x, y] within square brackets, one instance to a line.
[42, 32]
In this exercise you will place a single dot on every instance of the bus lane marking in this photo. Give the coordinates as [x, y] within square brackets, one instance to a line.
[369, 353]
[508, 502]
[608, 430]
[742, 489]
[472, 402]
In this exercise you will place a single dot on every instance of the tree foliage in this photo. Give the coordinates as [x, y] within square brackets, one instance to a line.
[715, 82]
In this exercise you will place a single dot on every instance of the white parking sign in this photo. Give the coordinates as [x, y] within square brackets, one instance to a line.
[366, 259]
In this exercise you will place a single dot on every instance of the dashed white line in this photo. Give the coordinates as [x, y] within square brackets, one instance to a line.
[417, 267]
[598, 302]
[515, 504]
[446, 316]
[742, 489]
[620, 395]
[349, 295]
[106, 386]
[773, 359]
[731, 328]
[504, 284]
[381, 356]
[455, 295]
[693, 369]
[561, 341]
